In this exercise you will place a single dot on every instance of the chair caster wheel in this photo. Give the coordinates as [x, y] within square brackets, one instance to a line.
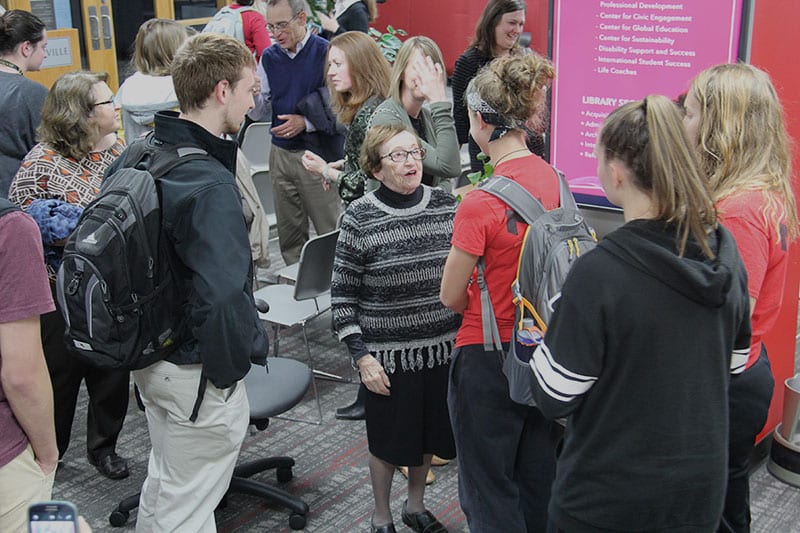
[118, 518]
[297, 521]
[284, 474]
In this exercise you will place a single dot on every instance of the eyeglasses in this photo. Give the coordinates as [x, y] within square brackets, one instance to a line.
[281, 26]
[400, 156]
[104, 102]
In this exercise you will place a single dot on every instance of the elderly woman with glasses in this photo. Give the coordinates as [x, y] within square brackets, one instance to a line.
[389, 261]
[57, 179]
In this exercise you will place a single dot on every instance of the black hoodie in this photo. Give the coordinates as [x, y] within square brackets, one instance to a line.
[638, 355]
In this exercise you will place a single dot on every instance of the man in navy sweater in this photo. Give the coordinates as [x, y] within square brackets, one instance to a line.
[292, 74]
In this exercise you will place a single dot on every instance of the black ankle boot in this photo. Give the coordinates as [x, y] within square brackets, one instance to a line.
[357, 409]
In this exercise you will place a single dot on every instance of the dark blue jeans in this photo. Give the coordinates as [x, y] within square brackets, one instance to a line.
[749, 397]
[506, 451]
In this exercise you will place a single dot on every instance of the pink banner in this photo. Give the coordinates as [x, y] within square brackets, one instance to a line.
[609, 52]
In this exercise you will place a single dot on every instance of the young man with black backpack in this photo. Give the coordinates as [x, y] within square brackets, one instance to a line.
[195, 401]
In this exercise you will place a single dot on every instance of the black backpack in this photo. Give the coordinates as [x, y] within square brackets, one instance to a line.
[115, 286]
[552, 243]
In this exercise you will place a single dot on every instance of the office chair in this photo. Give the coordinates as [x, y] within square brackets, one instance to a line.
[270, 391]
[309, 297]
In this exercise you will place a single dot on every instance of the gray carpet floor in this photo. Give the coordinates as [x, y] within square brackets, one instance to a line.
[331, 472]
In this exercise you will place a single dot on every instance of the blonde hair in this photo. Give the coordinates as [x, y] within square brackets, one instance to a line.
[742, 139]
[424, 45]
[649, 138]
[156, 43]
[369, 74]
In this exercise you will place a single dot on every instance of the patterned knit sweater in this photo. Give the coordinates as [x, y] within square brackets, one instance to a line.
[386, 278]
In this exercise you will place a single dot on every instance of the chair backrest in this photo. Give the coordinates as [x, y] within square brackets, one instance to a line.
[316, 266]
[263, 183]
[256, 145]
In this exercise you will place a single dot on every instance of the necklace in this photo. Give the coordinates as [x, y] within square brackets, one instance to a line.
[10, 65]
[510, 153]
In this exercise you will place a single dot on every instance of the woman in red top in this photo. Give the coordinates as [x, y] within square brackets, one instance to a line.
[506, 451]
[733, 114]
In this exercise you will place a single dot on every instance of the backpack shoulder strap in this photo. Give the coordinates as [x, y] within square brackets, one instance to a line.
[515, 196]
[160, 160]
[520, 200]
[529, 208]
[566, 199]
[172, 158]
[491, 333]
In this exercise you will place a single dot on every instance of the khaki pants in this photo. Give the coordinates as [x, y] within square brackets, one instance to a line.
[298, 195]
[22, 483]
[191, 463]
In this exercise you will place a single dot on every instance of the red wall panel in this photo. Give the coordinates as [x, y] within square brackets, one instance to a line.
[452, 23]
[774, 44]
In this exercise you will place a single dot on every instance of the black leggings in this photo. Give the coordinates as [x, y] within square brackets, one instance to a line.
[749, 397]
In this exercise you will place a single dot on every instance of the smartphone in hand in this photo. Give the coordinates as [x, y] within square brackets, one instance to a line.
[314, 28]
[52, 517]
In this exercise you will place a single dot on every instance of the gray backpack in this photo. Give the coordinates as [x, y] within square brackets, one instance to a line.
[228, 21]
[553, 241]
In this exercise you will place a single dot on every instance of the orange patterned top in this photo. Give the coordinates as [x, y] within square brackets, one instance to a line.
[46, 174]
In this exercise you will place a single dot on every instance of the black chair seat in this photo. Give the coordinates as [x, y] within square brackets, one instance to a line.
[277, 388]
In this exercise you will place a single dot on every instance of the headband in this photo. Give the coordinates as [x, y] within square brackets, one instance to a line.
[489, 115]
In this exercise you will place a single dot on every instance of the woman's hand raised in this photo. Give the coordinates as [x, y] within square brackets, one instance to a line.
[430, 78]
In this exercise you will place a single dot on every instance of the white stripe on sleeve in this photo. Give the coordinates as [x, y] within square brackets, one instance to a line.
[558, 382]
[739, 360]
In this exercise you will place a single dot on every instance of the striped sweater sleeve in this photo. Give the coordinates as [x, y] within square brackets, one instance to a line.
[348, 272]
